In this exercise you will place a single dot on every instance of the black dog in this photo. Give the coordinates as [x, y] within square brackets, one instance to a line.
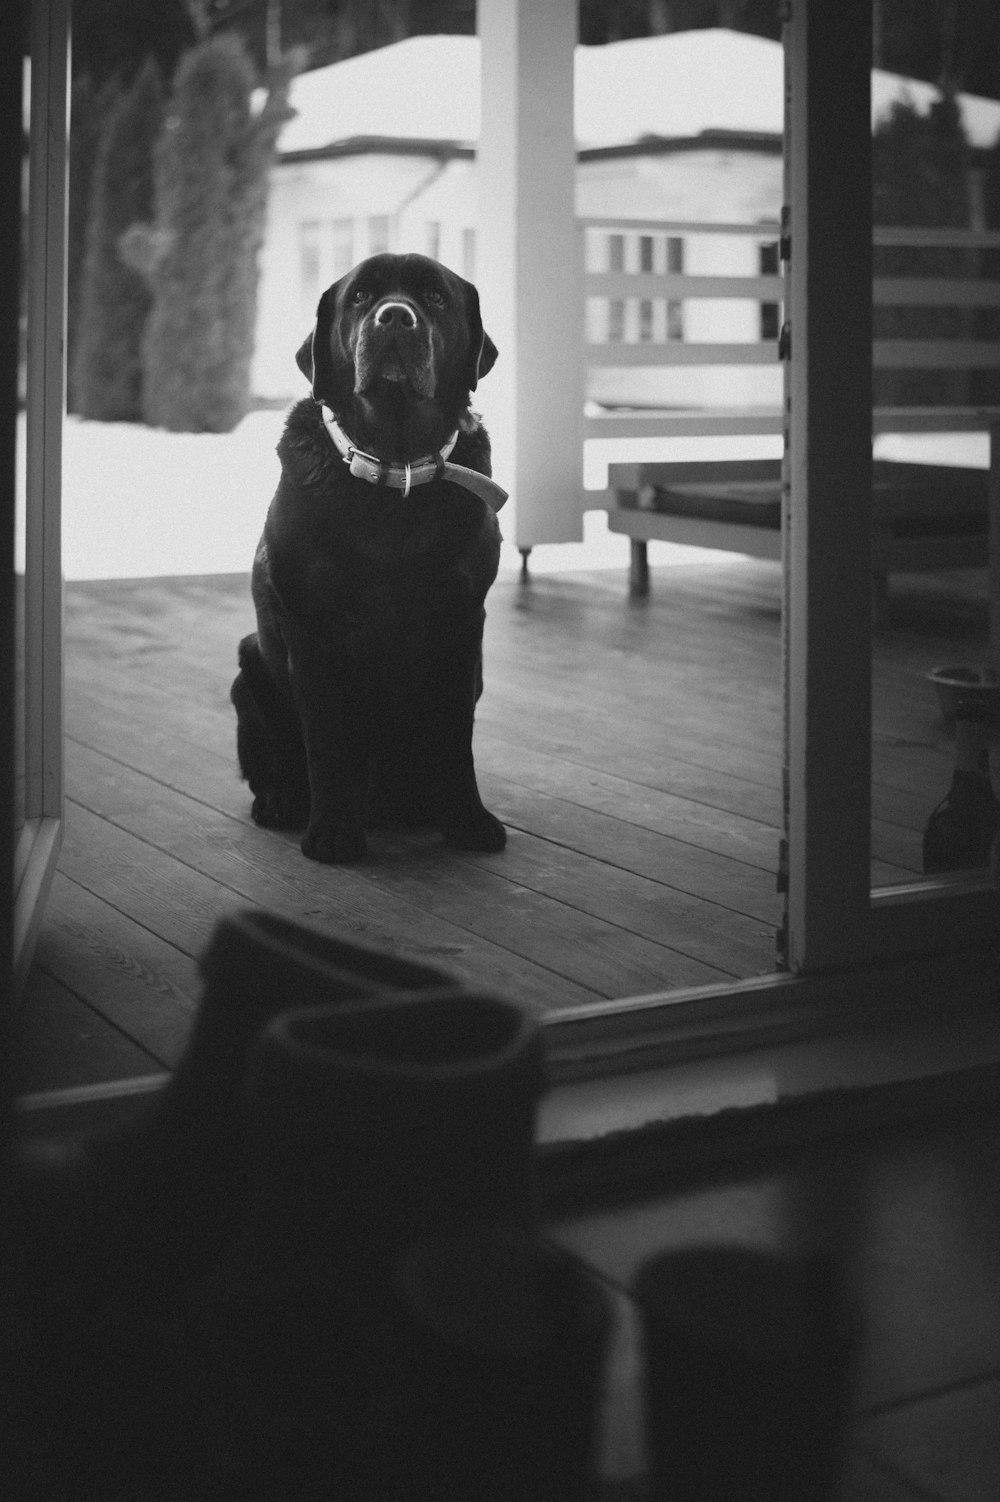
[356, 695]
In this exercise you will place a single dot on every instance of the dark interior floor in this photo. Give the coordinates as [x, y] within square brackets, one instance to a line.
[905, 1204]
[911, 1215]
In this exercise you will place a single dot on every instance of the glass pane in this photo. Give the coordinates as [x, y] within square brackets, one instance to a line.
[20, 500]
[936, 366]
[19, 663]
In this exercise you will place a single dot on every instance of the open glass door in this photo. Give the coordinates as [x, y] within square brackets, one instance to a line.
[38, 718]
[835, 918]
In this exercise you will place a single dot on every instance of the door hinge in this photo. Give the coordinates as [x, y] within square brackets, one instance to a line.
[781, 876]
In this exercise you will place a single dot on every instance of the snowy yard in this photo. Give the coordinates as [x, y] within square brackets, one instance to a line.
[140, 502]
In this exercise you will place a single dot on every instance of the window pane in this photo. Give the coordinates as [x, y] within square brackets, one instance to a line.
[378, 234]
[935, 721]
[341, 248]
[309, 263]
[770, 312]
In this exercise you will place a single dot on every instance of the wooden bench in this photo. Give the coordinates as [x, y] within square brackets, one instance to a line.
[924, 516]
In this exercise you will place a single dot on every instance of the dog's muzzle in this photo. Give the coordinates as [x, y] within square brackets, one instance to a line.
[394, 343]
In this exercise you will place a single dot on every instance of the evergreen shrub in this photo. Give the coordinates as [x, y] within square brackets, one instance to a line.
[212, 167]
[115, 298]
[90, 108]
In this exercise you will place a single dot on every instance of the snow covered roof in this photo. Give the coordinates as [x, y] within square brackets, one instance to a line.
[676, 85]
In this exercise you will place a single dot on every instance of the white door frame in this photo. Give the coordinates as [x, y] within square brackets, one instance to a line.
[39, 841]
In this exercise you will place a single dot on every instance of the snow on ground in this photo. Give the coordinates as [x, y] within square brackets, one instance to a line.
[140, 502]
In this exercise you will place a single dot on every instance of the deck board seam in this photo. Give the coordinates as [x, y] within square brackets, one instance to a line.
[372, 880]
[452, 922]
[106, 1019]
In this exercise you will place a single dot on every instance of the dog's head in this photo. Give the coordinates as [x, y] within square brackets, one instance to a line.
[397, 348]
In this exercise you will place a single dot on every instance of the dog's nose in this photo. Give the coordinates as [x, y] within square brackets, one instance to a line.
[398, 313]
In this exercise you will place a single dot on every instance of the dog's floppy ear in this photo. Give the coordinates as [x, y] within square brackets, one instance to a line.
[314, 356]
[482, 350]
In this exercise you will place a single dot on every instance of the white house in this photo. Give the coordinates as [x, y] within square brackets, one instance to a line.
[381, 155]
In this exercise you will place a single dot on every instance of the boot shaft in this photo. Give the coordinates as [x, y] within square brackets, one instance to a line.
[388, 1123]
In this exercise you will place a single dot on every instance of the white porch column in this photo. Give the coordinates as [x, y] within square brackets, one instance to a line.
[529, 265]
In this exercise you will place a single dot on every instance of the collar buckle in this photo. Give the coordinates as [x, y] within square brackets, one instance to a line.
[363, 466]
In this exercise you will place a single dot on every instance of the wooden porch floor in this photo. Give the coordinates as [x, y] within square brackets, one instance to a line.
[632, 748]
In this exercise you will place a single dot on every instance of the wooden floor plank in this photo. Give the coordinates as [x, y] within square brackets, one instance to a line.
[632, 747]
[585, 862]
[254, 861]
[714, 803]
[706, 930]
[563, 939]
[735, 885]
[135, 980]
[205, 867]
[698, 825]
[642, 848]
[62, 1042]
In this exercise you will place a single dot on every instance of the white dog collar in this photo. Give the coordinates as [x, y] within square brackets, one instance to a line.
[405, 476]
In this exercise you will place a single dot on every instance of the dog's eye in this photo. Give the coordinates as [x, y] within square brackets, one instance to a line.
[359, 296]
[432, 295]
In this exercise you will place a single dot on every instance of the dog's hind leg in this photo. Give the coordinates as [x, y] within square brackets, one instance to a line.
[269, 743]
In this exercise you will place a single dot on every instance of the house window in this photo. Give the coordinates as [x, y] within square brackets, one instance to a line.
[326, 252]
[469, 254]
[645, 252]
[378, 234]
[770, 312]
[309, 263]
[645, 320]
[616, 305]
[341, 248]
[432, 238]
[675, 267]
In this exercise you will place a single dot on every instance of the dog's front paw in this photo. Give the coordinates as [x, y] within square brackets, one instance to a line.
[475, 829]
[279, 808]
[333, 844]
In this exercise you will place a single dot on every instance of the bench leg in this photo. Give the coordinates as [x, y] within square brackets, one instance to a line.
[638, 573]
[525, 555]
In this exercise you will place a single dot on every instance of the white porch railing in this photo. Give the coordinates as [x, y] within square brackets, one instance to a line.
[718, 375]
[719, 372]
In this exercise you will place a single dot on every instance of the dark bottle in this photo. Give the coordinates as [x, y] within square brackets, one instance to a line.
[961, 829]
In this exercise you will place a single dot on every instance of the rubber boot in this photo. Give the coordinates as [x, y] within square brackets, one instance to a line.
[748, 1363]
[391, 1326]
[139, 1211]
